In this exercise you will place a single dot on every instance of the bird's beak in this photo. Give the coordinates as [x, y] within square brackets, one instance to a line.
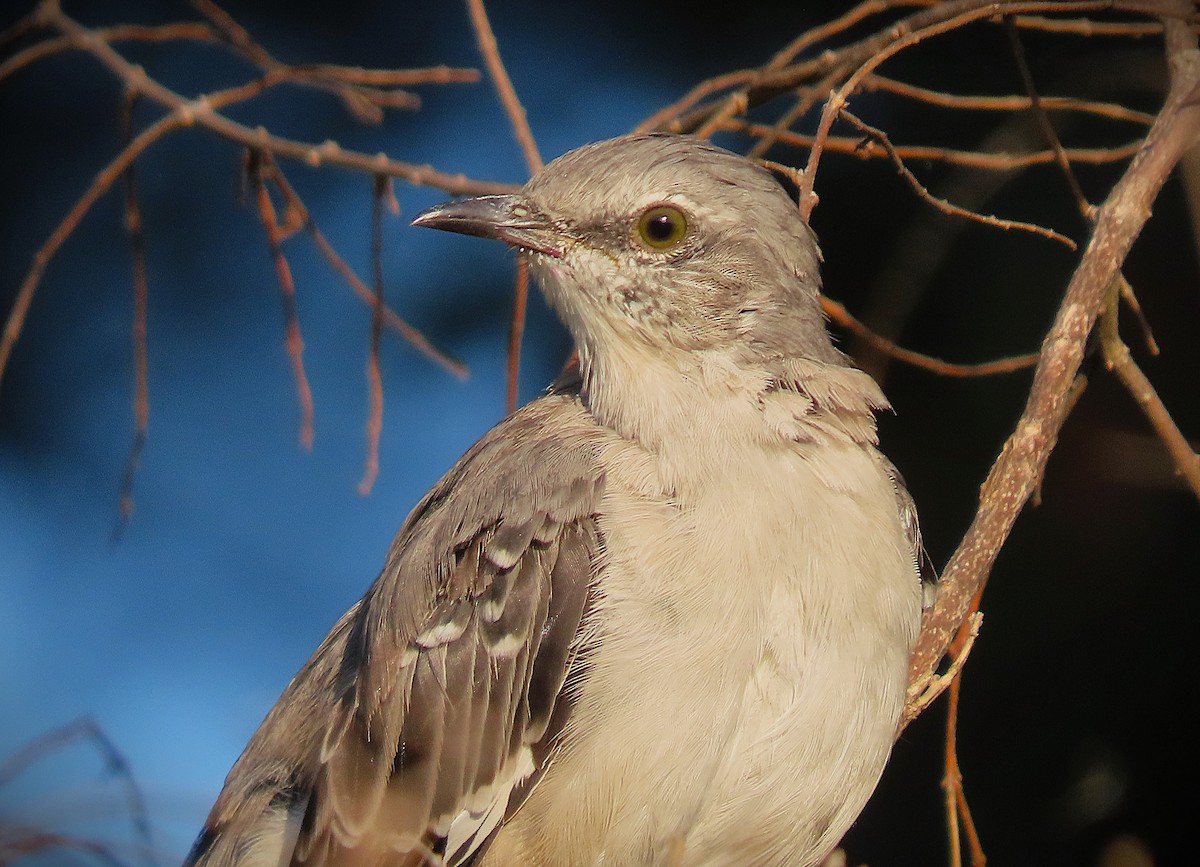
[505, 218]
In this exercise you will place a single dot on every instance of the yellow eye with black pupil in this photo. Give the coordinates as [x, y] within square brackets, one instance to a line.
[662, 227]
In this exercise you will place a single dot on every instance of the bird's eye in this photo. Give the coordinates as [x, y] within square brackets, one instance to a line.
[661, 227]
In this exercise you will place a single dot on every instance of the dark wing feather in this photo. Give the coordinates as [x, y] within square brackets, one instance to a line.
[423, 715]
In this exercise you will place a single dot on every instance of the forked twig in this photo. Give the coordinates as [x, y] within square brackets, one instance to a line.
[391, 319]
[1119, 360]
[276, 233]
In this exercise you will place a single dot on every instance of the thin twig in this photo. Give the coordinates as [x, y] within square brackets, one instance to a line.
[1036, 106]
[854, 55]
[490, 50]
[942, 205]
[922, 695]
[1118, 359]
[516, 328]
[1086, 26]
[1135, 307]
[661, 118]
[952, 782]
[392, 77]
[362, 102]
[808, 97]
[837, 311]
[412, 335]
[100, 185]
[488, 47]
[199, 112]
[736, 103]
[86, 730]
[141, 291]
[916, 28]
[22, 27]
[380, 192]
[1111, 110]
[972, 159]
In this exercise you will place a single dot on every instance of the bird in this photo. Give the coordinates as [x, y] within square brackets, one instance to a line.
[660, 615]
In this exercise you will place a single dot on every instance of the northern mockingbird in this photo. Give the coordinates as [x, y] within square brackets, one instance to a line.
[661, 615]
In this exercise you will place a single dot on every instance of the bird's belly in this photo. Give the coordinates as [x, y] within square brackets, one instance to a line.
[814, 731]
[739, 704]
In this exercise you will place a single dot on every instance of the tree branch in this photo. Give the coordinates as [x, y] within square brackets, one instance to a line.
[1018, 470]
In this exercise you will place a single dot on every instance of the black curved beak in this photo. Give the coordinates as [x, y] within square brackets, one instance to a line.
[503, 218]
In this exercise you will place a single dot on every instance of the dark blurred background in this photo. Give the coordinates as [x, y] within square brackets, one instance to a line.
[1074, 734]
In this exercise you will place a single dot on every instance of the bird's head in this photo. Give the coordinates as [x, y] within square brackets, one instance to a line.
[666, 240]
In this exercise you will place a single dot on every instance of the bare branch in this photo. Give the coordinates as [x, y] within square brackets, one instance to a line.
[414, 337]
[381, 191]
[99, 186]
[1112, 110]
[839, 314]
[516, 329]
[294, 339]
[1000, 162]
[1015, 474]
[486, 40]
[942, 205]
[1118, 359]
[504, 86]
[199, 112]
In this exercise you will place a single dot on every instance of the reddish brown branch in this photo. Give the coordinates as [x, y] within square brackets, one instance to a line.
[490, 50]
[845, 59]
[1037, 107]
[1111, 110]
[736, 103]
[925, 24]
[1086, 26]
[200, 113]
[390, 318]
[952, 782]
[1001, 162]
[294, 340]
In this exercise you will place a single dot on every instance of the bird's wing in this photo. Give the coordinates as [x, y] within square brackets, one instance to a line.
[431, 706]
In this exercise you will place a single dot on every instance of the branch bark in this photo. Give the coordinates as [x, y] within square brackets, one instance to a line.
[1017, 471]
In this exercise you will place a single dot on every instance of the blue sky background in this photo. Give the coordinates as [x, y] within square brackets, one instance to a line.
[244, 548]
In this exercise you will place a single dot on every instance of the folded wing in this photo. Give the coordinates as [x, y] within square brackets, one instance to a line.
[432, 705]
